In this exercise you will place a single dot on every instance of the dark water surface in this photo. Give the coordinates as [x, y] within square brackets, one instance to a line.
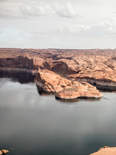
[31, 124]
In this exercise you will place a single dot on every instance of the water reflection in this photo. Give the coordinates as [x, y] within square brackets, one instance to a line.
[21, 77]
[33, 124]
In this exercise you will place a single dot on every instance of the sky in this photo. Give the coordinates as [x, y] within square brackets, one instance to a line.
[65, 24]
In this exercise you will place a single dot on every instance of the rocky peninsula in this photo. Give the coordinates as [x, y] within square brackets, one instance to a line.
[68, 74]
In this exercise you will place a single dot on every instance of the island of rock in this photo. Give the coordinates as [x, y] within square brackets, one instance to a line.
[68, 74]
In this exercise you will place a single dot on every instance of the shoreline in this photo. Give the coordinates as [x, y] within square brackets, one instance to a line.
[83, 72]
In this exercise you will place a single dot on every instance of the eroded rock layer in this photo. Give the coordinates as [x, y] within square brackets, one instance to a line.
[69, 74]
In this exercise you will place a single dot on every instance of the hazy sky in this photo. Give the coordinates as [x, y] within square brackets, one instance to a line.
[58, 23]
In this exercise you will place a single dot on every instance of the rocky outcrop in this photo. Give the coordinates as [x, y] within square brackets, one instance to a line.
[50, 82]
[106, 151]
[3, 151]
[64, 89]
[66, 73]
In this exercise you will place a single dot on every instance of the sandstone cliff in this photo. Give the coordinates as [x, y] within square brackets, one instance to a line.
[68, 74]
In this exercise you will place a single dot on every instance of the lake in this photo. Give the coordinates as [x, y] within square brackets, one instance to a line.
[31, 124]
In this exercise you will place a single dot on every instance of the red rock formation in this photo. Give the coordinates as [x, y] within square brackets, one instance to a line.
[50, 82]
[97, 67]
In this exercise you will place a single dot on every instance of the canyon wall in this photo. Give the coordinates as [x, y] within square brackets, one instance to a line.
[58, 71]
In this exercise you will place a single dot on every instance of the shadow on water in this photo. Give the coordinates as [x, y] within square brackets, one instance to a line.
[23, 78]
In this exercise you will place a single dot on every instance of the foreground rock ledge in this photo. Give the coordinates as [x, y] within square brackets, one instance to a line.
[106, 151]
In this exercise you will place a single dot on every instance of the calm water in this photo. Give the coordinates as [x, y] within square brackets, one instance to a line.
[31, 124]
